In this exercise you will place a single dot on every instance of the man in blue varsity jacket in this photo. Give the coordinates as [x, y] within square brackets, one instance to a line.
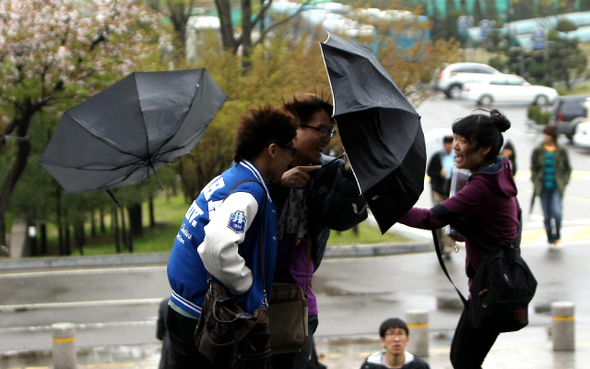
[221, 231]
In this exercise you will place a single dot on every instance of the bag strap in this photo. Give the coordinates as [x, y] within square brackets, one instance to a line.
[470, 231]
[444, 268]
[261, 243]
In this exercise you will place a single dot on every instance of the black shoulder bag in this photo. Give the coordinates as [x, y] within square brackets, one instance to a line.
[503, 285]
[229, 336]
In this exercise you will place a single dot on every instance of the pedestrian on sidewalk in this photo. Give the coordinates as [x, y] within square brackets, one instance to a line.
[315, 195]
[395, 336]
[440, 170]
[489, 201]
[509, 152]
[550, 173]
[162, 334]
[221, 232]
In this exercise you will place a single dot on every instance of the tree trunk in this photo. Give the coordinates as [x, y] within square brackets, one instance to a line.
[21, 122]
[103, 228]
[116, 230]
[152, 215]
[246, 34]
[227, 28]
[135, 220]
[43, 237]
[67, 245]
[124, 228]
[92, 224]
[79, 237]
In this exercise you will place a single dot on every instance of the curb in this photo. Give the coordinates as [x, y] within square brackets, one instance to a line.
[162, 258]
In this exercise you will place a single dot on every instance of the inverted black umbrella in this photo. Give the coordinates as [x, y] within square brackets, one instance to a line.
[379, 129]
[127, 131]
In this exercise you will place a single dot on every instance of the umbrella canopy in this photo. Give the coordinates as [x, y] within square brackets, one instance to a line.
[120, 135]
[379, 129]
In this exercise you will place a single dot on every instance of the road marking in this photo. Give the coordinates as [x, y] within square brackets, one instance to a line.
[81, 327]
[78, 304]
[86, 271]
[64, 340]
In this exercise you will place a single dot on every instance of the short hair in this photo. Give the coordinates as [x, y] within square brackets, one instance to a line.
[448, 139]
[393, 323]
[305, 106]
[551, 130]
[485, 130]
[259, 128]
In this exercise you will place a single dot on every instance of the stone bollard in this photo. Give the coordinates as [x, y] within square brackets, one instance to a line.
[64, 346]
[563, 326]
[417, 321]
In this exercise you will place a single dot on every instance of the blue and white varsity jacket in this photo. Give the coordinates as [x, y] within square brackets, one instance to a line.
[222, 237]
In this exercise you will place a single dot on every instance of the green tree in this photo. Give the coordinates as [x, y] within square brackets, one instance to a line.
[55, 53]
[566, 59]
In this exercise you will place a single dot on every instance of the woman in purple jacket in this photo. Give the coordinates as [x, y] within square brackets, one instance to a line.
[489, 201]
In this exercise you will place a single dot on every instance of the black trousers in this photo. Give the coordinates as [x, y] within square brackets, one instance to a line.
[470, 346]
[183, 353]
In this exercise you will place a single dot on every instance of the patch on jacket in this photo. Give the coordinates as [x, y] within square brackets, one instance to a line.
[237, 222]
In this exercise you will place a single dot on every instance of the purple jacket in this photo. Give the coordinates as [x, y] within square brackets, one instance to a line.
[488, 200]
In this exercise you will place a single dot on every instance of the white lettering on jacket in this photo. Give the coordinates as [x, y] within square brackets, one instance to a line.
[214, 185]
[193, 212]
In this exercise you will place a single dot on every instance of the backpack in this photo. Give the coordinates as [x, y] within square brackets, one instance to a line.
[503, 285]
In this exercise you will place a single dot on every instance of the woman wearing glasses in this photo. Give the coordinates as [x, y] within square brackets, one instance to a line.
[312, 199]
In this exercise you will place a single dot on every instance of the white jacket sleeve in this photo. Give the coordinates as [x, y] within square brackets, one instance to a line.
[226, 230]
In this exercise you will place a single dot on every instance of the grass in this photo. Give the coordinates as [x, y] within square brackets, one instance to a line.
[169, 212]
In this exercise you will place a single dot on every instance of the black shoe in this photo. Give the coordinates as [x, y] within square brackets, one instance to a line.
[446, 255]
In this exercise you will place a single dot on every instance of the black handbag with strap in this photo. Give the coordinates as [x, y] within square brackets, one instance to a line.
[503, 285]
[226, 334]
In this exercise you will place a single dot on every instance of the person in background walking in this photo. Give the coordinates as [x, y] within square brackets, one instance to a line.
[221, 231]
[488, 201]
[395, 336]
[550, 173]
[313, 197]
[162, 334]
[440, 169]
[509, 152]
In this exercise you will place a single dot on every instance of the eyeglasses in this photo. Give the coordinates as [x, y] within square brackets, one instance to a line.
[396, 333]
[291, 148]
[322, 130]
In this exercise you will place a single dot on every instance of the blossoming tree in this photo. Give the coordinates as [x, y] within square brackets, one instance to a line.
[55, 53]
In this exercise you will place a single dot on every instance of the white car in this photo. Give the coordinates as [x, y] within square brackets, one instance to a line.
[452, 78]
[582, 136]
[509, 88]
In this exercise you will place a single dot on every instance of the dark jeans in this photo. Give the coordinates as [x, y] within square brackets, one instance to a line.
[183, 353]
[297, 360]
[552, 210]
[470, 346]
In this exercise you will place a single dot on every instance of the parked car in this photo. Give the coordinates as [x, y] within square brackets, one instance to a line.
[567, 112]
[509, 88]
[582, 136]
[452, 78]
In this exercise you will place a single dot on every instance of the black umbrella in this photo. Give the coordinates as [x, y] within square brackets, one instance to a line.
[379, 129]
[121, 135]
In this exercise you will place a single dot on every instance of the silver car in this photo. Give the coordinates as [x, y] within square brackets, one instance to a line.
[452, 78]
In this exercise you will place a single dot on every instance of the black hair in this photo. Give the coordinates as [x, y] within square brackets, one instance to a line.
[259, 128]
[305, 106]
[484, 131]
[393, 323]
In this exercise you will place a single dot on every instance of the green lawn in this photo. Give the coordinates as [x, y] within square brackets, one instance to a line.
[169, 212]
